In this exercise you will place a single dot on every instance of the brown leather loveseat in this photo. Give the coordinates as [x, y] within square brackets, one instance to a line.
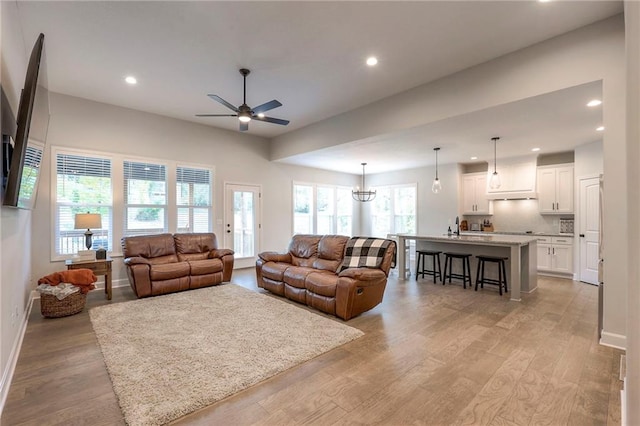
[335, 274]
[166, 263]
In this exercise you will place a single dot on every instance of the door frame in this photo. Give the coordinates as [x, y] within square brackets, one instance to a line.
[227, 186]
[579, 226]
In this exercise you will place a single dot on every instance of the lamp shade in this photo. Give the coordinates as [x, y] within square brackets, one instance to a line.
[88, 221]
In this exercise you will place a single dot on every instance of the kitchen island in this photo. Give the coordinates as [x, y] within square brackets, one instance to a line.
[521, 250]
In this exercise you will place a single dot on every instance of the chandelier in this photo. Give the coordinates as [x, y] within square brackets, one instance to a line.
[363, 195]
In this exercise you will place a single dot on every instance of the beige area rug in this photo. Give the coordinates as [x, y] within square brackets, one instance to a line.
[171, 355]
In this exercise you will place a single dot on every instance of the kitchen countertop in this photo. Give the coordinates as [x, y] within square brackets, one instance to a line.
[484, 238]
[532, 234]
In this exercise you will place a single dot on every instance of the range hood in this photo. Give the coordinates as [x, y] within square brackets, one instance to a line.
[518, 177]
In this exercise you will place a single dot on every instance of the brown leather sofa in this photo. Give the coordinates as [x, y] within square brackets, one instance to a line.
[166, 263]
[311, 273]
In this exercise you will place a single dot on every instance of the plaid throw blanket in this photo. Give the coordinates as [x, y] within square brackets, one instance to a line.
[364, 252]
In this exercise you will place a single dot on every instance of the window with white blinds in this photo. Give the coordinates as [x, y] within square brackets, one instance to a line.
[145, 198]
[83, 184]
[193, 199]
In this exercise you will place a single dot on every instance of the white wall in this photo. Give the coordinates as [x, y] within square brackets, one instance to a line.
[632, 386]
[592, 53]
[15, 225]
[588, 160]
[236, 157]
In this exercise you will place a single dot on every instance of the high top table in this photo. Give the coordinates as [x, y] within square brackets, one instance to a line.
[521, 250]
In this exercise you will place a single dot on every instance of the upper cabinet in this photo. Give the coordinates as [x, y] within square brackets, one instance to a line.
[517, 178]
[555, 189]
[474, 194]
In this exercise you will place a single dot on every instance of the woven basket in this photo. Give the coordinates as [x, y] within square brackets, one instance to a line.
[51, 307]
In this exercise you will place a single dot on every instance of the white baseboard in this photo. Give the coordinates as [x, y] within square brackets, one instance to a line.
[7, 374]
[614, 340]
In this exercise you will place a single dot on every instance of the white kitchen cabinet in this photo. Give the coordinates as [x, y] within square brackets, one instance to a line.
[517, 177]
[474, 194]
[555, 189]
[555, 254]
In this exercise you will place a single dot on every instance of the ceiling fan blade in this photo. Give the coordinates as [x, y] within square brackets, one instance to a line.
[244, 126]
[223, 102]
[272, 120]
[266, 106]
[216, 115]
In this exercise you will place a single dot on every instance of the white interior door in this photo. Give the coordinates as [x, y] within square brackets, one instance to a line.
[589, 228]
[242, 223]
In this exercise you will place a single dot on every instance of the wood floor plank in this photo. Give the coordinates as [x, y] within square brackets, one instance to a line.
[496, 392]
[431, 355]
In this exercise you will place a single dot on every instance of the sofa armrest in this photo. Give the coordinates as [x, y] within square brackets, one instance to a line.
[363, 274]
[136, 261]
[218, 253]
[272, 256]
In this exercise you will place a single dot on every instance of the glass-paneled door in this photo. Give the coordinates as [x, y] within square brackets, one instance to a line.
[242, 223]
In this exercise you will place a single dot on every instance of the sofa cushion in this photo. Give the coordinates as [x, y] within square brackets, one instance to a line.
[169, 271]
[295, 276]
[163, 260]
[195, 242]
[148, 246]
[323, 283]
[193, 256]
[206, 266]
[275, 270]
[330, 252]
[304, 249]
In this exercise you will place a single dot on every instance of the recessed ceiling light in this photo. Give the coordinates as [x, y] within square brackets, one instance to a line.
[261, 115]
[594, 102]
[474, 158]
[131, 79]
[544, 1]
[535, 149]
[372, 60]
[600, 129]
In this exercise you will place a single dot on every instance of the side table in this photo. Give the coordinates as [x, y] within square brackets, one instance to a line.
[99, 267]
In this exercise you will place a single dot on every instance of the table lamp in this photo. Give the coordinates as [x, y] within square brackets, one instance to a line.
[87, 221]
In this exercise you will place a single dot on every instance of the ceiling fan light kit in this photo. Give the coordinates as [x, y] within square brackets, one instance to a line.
[244, 112]
[363, 195]
[494, 181]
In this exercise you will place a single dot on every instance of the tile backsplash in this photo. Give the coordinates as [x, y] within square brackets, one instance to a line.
[519, 216]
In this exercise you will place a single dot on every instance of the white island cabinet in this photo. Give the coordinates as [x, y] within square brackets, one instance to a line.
[521, 251]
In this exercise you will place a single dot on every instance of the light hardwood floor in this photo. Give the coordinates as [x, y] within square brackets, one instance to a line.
[431, 354]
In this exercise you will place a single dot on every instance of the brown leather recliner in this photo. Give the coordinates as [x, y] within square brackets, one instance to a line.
[165, 263]
[311, 273]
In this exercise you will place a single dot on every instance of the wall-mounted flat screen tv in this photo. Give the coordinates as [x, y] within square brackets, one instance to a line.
[32, 124]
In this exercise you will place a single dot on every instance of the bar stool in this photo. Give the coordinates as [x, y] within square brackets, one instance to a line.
[502, 272]
[421, 255]
[466, 268]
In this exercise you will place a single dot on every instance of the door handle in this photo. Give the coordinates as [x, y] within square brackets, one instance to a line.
[581, 235]
[228, 231]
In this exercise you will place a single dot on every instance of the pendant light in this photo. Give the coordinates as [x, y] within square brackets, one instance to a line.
[436, 187]
[363, 195]
[494, 181]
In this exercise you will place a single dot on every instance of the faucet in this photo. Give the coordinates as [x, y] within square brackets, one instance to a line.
[457, 226]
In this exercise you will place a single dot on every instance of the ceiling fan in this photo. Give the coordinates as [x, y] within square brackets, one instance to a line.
[245, 113]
